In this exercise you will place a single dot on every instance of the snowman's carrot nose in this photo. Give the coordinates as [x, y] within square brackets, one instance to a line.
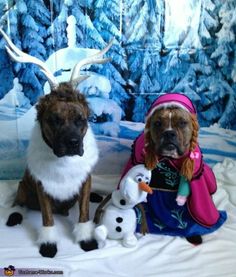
[144, 187]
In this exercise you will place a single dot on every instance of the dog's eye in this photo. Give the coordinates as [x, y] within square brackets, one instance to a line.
[79, 122]
[55, 119]
[182, 123]
[158, 123]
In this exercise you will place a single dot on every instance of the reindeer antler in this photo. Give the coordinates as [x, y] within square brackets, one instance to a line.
[19, 56]
[76, 77]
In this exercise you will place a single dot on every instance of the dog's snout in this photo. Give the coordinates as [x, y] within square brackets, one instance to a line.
[74, 142]
[169, 135]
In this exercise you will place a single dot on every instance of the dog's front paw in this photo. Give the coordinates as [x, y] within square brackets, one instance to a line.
[48, 241]
[14, 219]
[84, 235]
[48, 249]
[89, 245]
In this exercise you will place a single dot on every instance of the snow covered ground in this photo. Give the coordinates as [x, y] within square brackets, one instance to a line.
[154, 255]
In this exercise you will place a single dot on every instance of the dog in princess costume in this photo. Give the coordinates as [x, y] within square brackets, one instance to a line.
[181, 203]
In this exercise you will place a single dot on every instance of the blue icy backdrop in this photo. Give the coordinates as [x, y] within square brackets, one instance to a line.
[159, 46]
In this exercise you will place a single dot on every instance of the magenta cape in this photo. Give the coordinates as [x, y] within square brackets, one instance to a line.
[202, 186]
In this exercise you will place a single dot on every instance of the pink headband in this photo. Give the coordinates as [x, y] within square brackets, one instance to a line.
[172, 100]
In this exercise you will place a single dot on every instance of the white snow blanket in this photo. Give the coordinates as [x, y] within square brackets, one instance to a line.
[155, 255]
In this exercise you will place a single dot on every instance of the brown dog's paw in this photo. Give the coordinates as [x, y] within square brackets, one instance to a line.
[195, 240]
[89, 245]
[48, 249]
[14, 219]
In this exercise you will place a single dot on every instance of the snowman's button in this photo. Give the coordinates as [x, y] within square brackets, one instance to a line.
[122, 202]
[119, 219]
[118, 229]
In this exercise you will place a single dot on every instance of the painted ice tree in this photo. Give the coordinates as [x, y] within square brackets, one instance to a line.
[26, 27]
[194, 66]
[60, 11]
[181, 39]
[225, 57]
[107, 19]
[193, 70]
[6, 69]
[142, 42]
[14, 104]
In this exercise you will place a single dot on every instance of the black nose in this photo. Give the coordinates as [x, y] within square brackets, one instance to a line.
[169, 135]
[74, 142]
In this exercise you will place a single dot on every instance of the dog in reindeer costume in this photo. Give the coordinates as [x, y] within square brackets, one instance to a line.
[61, 155]
[181, 203]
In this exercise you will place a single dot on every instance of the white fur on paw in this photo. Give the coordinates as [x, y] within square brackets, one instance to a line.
[130, 240]
[84, 231]
[48, 234]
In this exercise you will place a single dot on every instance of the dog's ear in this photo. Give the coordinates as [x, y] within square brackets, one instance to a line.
[150, 155]
[187, 169]
[42, 106]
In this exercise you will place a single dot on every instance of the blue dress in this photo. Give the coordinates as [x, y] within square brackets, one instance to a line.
[163, 214]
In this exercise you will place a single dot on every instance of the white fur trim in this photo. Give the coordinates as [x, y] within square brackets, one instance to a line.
[165, 106]
[61, 177]
[84, 231]
[48, 234]
[18, 209]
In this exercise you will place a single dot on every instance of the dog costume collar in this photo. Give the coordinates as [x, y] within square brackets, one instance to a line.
[172, 100]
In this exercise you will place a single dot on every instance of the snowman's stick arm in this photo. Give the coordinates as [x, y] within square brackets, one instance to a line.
[144, 227]
[100, 210]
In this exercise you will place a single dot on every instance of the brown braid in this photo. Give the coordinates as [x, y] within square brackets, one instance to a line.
[187, 168]
[150, 156]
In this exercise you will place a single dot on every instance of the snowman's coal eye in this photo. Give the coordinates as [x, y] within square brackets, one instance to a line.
[147, 182]
[139, 178]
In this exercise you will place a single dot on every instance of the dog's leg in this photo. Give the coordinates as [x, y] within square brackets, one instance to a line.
[20, 200]
[84, 230]
[47, 237]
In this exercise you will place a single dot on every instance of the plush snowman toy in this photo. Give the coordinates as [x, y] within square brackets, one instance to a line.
[119, 218]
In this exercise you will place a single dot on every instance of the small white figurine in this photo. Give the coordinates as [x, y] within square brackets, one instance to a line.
[119, 219]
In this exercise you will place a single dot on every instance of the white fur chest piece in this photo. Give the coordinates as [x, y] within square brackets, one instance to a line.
[62, 177]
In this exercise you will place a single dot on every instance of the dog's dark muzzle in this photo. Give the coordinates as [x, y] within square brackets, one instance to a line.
[68, 146]
[169, 142]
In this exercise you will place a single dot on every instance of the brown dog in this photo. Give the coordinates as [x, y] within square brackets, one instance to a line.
[181, 203]
[61, 155]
